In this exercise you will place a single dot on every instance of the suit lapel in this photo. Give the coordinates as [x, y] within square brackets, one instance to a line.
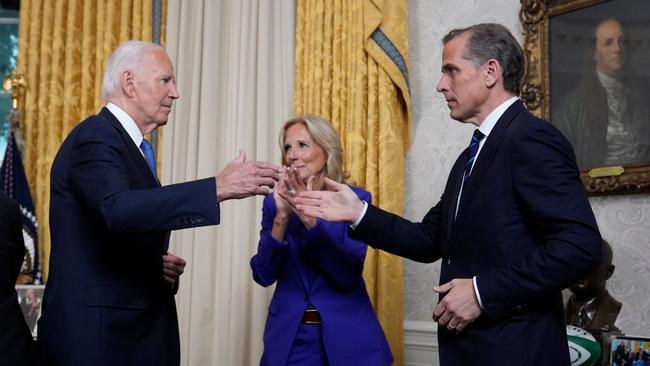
[134, 151]
[143, 172]
[482, 165]
[455, 179]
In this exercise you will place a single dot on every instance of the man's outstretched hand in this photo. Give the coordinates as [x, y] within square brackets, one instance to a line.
[241, 178]
[337, 204]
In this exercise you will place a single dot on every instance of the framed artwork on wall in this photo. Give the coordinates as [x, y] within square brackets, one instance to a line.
[631, 351]
[588, 73]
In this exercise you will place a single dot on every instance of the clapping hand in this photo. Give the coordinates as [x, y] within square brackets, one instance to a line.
[285, 193]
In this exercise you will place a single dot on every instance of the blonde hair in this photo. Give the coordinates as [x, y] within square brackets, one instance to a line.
[323, 134]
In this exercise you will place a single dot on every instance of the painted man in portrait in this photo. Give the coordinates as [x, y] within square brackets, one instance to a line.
[606, 118]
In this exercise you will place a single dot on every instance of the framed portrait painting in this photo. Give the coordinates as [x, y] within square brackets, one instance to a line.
[588, 73]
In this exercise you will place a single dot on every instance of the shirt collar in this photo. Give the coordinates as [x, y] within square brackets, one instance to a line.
[606, 80]
[488, 123]
[127, 122]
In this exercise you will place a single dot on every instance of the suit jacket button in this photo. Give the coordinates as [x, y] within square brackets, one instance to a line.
[448, 261]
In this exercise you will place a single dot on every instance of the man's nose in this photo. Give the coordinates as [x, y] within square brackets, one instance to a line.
[173, 92]
[618, 46]
[442, 85]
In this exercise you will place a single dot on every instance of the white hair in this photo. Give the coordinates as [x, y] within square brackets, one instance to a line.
[127, 57]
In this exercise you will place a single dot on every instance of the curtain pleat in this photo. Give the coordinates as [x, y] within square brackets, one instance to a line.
[234, 63]
[351, 67]
[63, 49]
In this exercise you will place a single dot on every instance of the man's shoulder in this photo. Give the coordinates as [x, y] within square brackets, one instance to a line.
[528, 131]
[528, 124]
[514, 120]
[94, 129]
[95, 122]
[586, 91]
[94, 126]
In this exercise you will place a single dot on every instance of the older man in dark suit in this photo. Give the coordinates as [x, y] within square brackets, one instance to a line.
[513, 227]
[16, 343]
[108, 300]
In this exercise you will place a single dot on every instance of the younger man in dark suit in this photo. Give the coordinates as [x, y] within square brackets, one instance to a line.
[513, 226]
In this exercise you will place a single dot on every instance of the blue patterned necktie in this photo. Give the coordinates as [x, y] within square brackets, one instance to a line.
[149, 156]
[473, 150]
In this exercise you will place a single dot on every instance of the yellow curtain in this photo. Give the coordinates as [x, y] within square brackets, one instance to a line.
[63, 48]
[351, 59]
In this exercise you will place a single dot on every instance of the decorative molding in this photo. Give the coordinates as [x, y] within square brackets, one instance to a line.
[633, 180]
[420, 343]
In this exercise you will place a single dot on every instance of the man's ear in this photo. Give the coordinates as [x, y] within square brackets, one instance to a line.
[610, 271]
[492, 72]
[128, 83]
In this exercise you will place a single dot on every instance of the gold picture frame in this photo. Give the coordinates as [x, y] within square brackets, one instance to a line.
[535, 17]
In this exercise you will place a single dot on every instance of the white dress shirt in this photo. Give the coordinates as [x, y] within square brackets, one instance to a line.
[128, 123]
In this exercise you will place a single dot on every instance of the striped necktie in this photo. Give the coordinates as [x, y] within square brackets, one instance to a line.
[149, 156]
[473, 150]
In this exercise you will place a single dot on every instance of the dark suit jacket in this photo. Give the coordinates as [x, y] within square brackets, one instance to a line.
[321, 267]
[106, 302]
[16, 343]
[524, 228]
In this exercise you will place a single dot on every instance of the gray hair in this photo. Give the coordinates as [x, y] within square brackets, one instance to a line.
[494, 41]
[127, 57]
[323, 134]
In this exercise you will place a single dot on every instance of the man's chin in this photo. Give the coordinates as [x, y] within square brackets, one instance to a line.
[457, 116]
[164, 118]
